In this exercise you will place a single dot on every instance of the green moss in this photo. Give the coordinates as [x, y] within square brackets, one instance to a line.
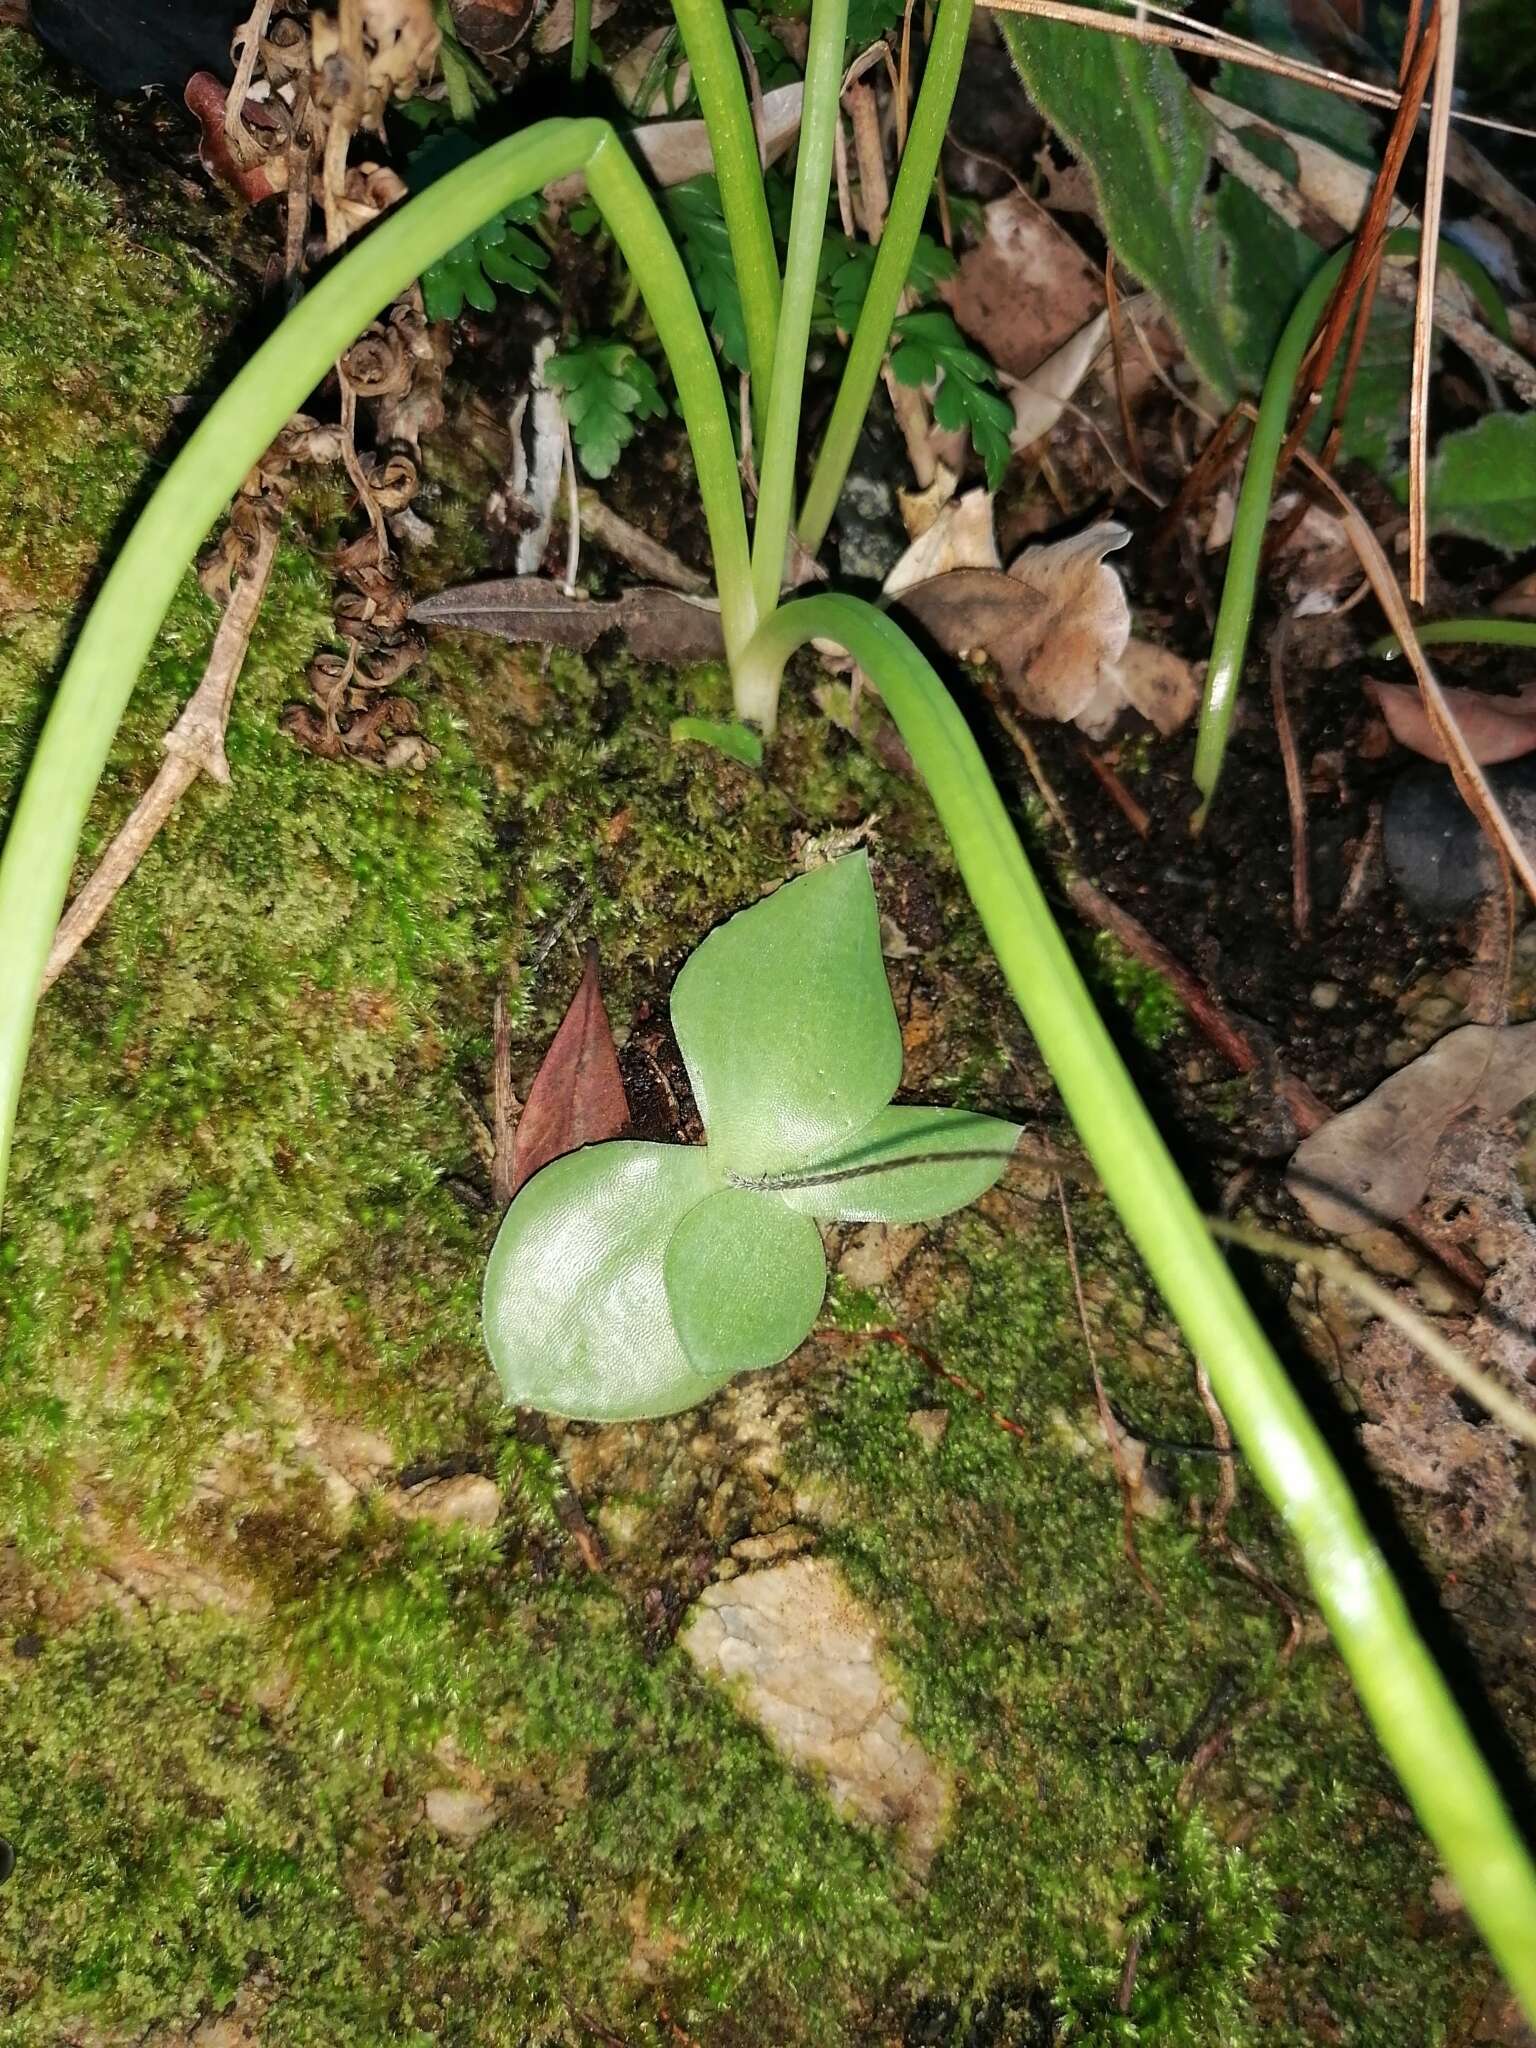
[1147, 997]
[243, 1212]
[1069, 1705]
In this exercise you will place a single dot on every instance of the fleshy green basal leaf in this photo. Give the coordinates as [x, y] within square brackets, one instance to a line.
[917, 1163]
[577, 1320]
[786, 1024]
[745, 1276]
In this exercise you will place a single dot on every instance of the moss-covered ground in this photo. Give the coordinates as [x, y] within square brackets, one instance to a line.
[241, 1258]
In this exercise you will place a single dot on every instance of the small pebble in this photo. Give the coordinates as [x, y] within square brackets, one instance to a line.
[1325, 994]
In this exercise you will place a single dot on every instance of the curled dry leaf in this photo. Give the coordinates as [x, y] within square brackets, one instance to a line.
[1040, 399]
[659, 625]
[1371, 1164]
[1494, 728]
[1053, 623]
[959, 536]
[1056, 624]
[577, 1097]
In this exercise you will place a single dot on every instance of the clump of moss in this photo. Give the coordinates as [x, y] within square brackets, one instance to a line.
[1146, 997]
[249, 1197]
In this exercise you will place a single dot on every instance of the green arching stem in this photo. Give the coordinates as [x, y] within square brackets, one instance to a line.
[706, 32]
[1229, 643]
[1403, 1691]
[581, 39]
[1480, 632]
[807, 231]
[240, 425]
[893, 261]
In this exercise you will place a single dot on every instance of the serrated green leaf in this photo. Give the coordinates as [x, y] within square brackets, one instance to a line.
[609, 388]
[693, 208]
[929, 345]
[786, 1024]
[745, 1276]
[726, 736]
[868, 20]
[851, 265]
[906, 1177]
[576, 1314]
[1128, 112]
[497, 251]
[1482, 482]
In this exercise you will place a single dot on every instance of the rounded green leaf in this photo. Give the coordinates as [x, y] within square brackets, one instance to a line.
[745, 1276]
[577, 1320]
[907, 1166]
[786, 1023]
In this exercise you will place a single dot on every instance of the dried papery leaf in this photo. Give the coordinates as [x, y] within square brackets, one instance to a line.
[660, 625]
[1084, 620]
[1494, 728]
[1371, 1164]
[674, 151]
[1025, 289]
[491, 27]
[577, 1097]
[1040, 399]
[959, 537]
[556, 27]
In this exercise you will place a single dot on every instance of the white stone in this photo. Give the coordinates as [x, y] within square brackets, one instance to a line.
[806, 1663]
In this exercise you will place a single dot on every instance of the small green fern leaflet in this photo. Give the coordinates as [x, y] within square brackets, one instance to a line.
[609, 389]
[498, 252]
[928, 346]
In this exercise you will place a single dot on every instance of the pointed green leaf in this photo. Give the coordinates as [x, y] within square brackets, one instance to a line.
[907, 1166]
[577, 1320]
[745, 1277]
[786, 1024]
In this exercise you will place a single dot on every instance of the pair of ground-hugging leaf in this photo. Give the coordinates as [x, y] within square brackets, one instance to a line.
[633, 1280]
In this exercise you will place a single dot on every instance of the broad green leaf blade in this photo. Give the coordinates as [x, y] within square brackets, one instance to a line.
[745, 1277]
[1128, 111]
[726, 736]
[576, 1314]
[786, 1024]
[1483, 482]
[913, 1167]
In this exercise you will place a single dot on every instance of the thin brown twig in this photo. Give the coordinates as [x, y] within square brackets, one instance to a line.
[1447, 13]
[857, 1338]
[1365, 253]
[1295, 788]
[1134, 813]
[1307, 1112]
[505, 1108]
[1217, 456]
[194, 746]
[1107, 1422]
[600, 523]
[1465, 771]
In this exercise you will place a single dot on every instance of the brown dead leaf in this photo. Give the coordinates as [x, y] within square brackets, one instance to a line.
[1025, 288]
[491, 27]
[675, 150]
[1519, 601]
[1494, 728]
[660, 625]
[1057, 624]
[1161, 685]
[1371, 1164]
[577, 1097]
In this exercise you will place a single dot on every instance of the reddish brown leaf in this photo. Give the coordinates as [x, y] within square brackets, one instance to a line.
[577, 1097]
[205, 96]
[1494, 728]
